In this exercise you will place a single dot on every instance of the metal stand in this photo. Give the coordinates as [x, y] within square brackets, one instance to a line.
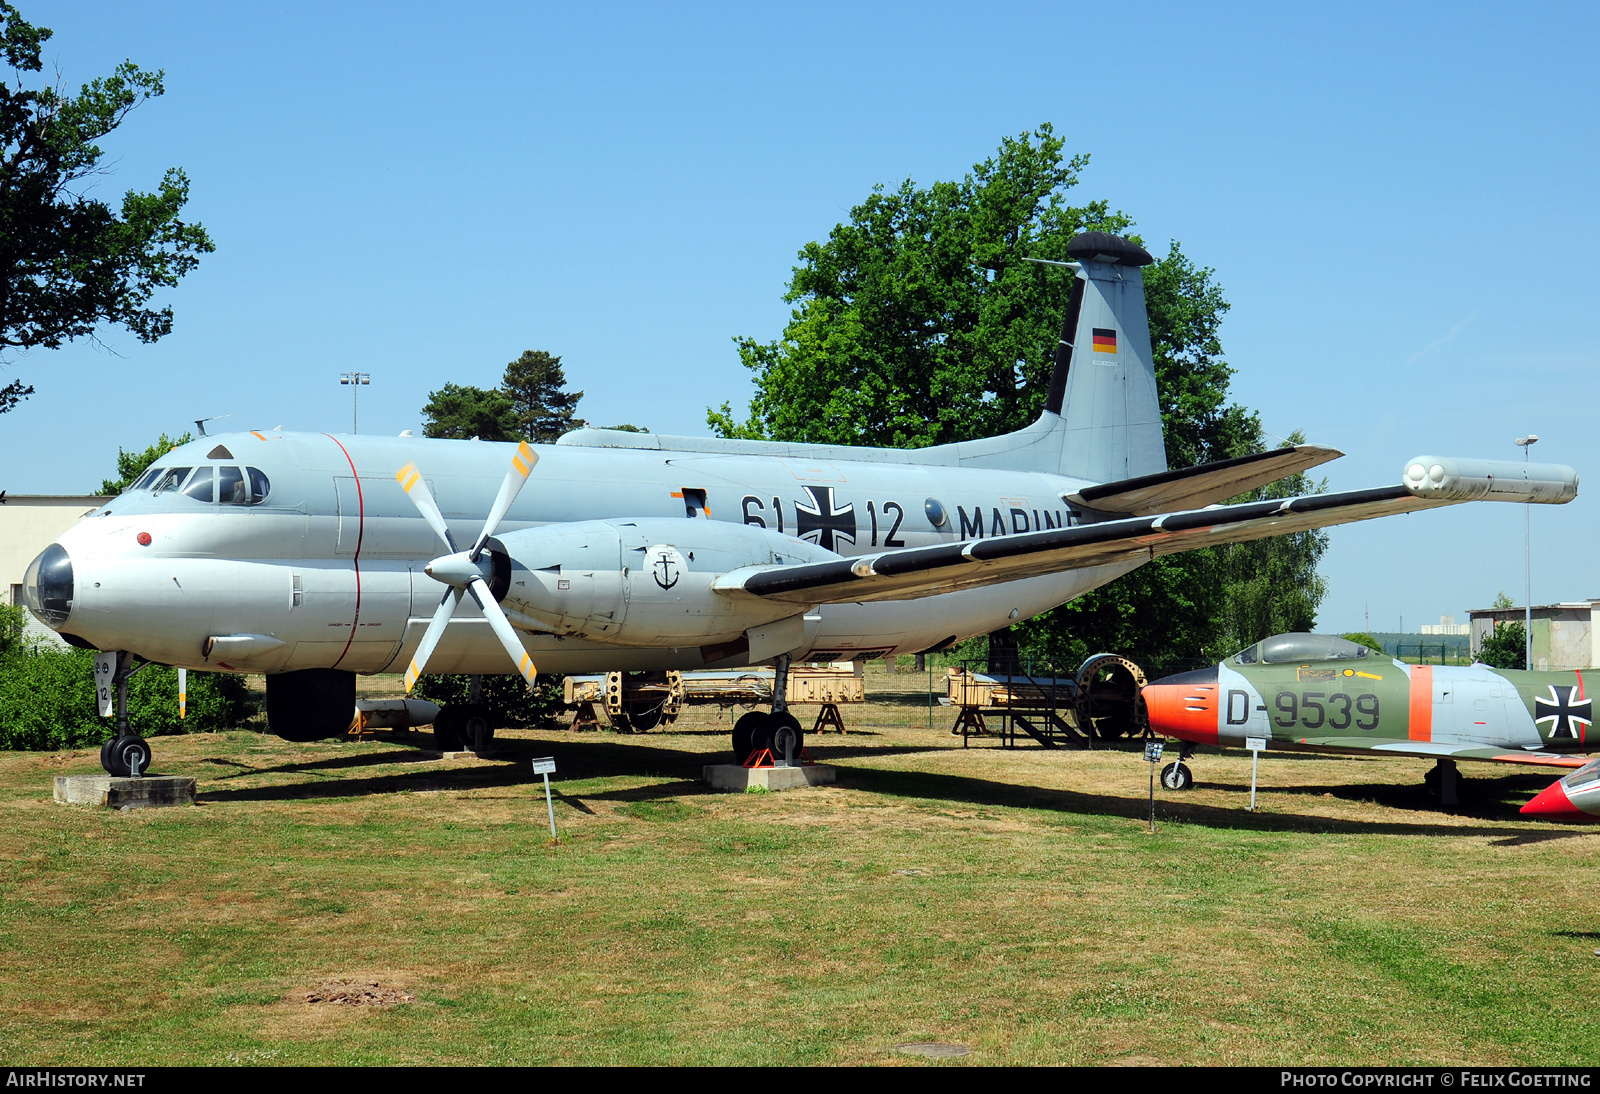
[1152, 753]
[1449, 782]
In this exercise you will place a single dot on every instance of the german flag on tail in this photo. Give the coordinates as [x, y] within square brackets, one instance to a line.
[1105, 340]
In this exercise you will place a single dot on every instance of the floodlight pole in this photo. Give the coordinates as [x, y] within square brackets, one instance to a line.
[355, 380]
[1526, 443]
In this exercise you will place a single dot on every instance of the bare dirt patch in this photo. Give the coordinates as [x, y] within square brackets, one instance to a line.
[354, 993]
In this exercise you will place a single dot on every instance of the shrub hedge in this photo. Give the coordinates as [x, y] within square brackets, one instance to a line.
[47, 700]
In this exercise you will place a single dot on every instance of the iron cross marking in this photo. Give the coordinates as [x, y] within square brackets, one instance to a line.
[1563, 713]
[821, 523]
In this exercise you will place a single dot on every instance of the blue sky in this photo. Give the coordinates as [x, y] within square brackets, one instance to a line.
[1399, 201]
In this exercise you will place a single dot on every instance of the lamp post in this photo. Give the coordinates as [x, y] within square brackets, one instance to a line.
[1526, 443]
[356, 379]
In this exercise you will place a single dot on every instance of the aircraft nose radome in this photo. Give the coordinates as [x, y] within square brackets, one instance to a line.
[1187, 709]
[1553, 802]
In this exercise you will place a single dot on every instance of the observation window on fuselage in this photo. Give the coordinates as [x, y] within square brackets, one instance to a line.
[199, 487]
[1281, 648]
[231, 488]
[172, 477]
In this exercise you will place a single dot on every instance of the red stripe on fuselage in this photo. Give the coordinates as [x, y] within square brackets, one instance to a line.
[361, 530]
[1420, 724]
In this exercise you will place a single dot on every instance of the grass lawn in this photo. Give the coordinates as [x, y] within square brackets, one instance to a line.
[1007, 900]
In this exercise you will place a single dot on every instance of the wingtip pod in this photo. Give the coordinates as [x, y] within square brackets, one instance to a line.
[1451, 478]
[1552, 803]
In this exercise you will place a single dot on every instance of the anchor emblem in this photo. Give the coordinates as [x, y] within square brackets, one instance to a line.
[664, 571]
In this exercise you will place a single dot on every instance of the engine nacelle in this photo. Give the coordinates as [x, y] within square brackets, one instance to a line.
[644, 582]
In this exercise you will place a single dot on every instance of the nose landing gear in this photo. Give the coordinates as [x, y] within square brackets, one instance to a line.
[1177, 776]
[127, 755]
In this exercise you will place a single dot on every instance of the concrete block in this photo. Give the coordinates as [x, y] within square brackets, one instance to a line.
[739, 779]
[150, 792]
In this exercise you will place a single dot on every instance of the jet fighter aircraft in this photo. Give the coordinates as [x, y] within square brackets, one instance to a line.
[312, 557]
[1319, 693]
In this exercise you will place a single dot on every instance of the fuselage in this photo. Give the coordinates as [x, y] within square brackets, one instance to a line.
[301, 550]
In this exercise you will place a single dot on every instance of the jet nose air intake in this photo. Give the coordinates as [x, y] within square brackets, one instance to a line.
[47, 586]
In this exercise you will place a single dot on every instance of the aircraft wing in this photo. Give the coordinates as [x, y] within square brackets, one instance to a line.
[912, 572]
[1450, 751]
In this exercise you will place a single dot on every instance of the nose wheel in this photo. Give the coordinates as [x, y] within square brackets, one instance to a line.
[1177, 776]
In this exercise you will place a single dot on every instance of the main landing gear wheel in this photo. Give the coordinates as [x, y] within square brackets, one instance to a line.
[774, 732]
[125, 756]
[744, 735]
[1177, 777]
[787, 736]
[476, 731]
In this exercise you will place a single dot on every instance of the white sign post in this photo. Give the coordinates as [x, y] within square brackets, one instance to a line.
[1256, 745]
[544, 765]
[1152, 752]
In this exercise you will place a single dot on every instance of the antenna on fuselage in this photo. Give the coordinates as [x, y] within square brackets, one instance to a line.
[200, 423]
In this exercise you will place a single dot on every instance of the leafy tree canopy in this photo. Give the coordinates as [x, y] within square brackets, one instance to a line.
[464, 412]
[541, 406]
[1361, 638]
[918, 322]
[130, 465]
[531, 404]
[69, 262]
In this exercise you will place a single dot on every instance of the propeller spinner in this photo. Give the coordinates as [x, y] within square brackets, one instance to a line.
[464, 572]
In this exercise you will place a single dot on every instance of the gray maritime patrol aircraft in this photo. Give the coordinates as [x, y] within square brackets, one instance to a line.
[312, 557]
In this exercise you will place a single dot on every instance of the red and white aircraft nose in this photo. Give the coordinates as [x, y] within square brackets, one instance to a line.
[1552, 802]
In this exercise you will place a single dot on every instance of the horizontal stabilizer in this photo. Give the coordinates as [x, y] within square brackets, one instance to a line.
[1193, 487]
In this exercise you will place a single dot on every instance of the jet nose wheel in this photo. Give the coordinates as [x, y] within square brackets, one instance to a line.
[1177, 777]
[125, 756]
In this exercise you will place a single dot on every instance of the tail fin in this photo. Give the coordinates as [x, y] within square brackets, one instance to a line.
[1104, 383]
[1102, 416]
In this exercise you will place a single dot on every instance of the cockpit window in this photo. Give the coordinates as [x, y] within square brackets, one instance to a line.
[169, 479]
[231, 489]
[1245, 656]
[199, 487]
[1585, 775]
[147, 478]
[1310, 647]
[259, 486]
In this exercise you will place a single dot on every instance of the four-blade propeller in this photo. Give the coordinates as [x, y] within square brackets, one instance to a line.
[463, 572]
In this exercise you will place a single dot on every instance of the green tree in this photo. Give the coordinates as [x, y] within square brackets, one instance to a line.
[130, 465]
[541, 405]
[464, 412]
[69, 262]
[1362, 638]
[1506, 647]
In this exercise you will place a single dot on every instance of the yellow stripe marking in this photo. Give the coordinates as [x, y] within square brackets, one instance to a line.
[408, 476]
[1368, 676]
[411, 675]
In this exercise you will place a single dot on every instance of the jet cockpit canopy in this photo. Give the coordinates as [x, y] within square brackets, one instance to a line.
[1284, 648]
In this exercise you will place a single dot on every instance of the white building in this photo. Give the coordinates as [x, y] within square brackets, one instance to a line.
[28, 524]
[1447, 625]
